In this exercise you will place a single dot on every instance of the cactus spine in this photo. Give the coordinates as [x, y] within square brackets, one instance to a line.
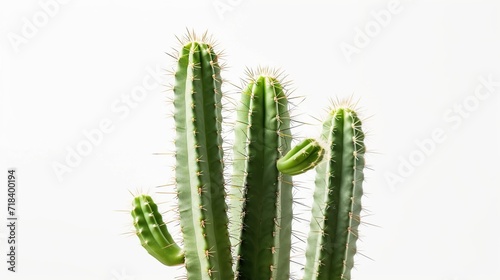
[261, 195]
[337, 198]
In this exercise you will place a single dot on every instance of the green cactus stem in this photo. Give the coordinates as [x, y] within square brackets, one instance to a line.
[303, 157]
[153, 232]
[261, 195]
[199, 162]
[337, 199]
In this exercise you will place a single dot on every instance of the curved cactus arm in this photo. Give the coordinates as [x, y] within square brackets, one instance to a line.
[261, 195]
[337, 199]
[301, 158]
[199, 163]
[153, 232]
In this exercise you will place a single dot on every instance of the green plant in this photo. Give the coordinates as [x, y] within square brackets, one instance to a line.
[251, 239]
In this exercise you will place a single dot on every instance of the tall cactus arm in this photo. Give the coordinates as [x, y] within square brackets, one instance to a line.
[262, 195]
[199, 163]
[337, 199]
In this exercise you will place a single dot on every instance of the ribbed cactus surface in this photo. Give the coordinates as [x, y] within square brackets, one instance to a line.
[261, 195]
[153, 232]
[199, 163]
[337, 198]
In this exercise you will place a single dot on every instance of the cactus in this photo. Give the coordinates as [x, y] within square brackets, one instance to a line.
[261, 195]
[251, 239]
[331, 244]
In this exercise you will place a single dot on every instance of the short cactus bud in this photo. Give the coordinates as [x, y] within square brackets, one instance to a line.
[303, 157]
[153, 232]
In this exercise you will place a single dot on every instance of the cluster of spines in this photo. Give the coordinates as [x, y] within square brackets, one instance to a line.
[337, 199]
[261, 196]
[199, 162]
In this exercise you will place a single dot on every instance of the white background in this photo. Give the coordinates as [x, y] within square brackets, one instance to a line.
[438, 220]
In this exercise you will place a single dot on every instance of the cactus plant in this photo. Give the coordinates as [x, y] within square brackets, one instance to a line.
[251, 239]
